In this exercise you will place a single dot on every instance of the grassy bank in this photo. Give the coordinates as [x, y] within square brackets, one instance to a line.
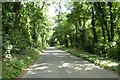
[97, 59]
[14, 64]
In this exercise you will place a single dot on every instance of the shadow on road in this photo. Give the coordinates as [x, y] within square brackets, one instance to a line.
[55, 63]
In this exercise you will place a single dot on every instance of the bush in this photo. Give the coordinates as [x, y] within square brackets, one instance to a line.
[118, 50]
[13, 65]
[19, 40]
[113, 53]
[88, 47]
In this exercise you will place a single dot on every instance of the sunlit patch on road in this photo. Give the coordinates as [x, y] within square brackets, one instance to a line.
[57, 63]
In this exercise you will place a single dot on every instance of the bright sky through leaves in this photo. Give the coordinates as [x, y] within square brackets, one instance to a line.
[52, 11]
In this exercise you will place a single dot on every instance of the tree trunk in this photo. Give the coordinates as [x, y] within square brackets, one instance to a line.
[66, 41]
[17, 16]
[93, 26]
[34, 26]
[105, 21]
[42, 40]
[71, 41]
[84, 34]
[76, 37]
[103, 30]
[111, 21]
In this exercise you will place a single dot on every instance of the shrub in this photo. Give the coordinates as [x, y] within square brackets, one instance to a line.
[113, 53]
[13, 65]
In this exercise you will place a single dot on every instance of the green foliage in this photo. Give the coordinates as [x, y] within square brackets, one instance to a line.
[113, 53]
[14, 64]
[20, 40]
[93, 27]
[97, 59]
[88, 47]
[89, 26]
[25, 29]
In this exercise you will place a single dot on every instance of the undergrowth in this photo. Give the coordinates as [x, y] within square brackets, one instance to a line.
[14, 64]
[97, 59]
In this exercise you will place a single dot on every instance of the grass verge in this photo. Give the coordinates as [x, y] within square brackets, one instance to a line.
[97, 59]
[14, 64]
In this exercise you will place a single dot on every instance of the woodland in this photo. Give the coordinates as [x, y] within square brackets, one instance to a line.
[93, 27]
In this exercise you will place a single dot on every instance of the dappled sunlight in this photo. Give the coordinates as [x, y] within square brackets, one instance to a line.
[48, 71]
[113, 64]
[41, 68]
[37, 68]
[68, 67]
[52, 50]
[78, 61]
[64, 65]
[60, 56]
[53, 63]
[28, 69]
[38, 65]
[74, 63]
[88, 69]
[78, 67]
[56, 54]
[109, 63]
[67, 54]
[56, 51]
[32, 73]
[45, 53]
[68, 71]
[86, 30]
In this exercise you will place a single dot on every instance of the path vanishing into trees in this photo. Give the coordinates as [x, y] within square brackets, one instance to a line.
[29, 27]
[55, 63]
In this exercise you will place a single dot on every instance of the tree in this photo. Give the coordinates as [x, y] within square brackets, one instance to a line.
[93, 26]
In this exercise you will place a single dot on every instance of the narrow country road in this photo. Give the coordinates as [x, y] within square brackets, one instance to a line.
[55, 63]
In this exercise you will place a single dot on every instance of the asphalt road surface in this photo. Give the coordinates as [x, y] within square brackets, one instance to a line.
[55, 63]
